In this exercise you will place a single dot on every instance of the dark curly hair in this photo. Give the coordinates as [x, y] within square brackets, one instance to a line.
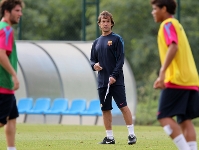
[169, 4]
[9, 5]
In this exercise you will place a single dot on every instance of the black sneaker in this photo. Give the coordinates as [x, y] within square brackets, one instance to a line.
[132, 139]
[107, 141]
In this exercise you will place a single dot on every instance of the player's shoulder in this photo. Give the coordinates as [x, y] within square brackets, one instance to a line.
[6, 29]
[96, 40]
[172, 21]
[116, 35]
[4, 25]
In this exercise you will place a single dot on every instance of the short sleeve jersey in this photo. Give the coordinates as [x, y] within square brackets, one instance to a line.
[6, 43]
[179, 74]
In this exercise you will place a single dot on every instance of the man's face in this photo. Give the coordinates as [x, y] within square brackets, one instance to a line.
[105, 24]
[15, 14]
[157, 13]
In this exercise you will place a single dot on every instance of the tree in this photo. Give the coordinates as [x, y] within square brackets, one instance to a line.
[51, 20]
[190, 22]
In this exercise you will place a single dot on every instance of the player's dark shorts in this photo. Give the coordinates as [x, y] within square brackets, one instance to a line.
[117, 93]
[8, 108]
[184, 104]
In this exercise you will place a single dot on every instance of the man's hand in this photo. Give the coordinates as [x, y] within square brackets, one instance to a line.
[159, 83]
[16, 82]
[111, 80]
[97, 67]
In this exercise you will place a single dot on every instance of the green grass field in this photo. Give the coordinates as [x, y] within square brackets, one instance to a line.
[67, 137]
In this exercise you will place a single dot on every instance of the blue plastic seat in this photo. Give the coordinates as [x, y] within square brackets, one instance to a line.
[24, 104]
[77, 106]
[41, 105]
[59, 105]
[94, 109]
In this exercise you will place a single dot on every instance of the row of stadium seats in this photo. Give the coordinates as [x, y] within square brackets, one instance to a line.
[60, 106]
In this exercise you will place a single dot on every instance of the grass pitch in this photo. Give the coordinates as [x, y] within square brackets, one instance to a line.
[67, 137]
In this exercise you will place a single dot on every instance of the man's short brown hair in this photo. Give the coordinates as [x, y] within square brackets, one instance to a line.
[106, 14]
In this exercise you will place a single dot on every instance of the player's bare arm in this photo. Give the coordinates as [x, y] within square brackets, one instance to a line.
[5, 63]
[172, 50]
[159, 83]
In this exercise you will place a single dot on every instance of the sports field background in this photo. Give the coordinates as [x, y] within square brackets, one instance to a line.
[139, 32]
[68, 137]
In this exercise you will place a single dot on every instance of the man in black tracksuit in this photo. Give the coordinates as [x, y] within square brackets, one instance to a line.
[109, 52]
[107, 57]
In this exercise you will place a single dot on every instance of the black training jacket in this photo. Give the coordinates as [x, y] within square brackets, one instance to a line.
[109, 52]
